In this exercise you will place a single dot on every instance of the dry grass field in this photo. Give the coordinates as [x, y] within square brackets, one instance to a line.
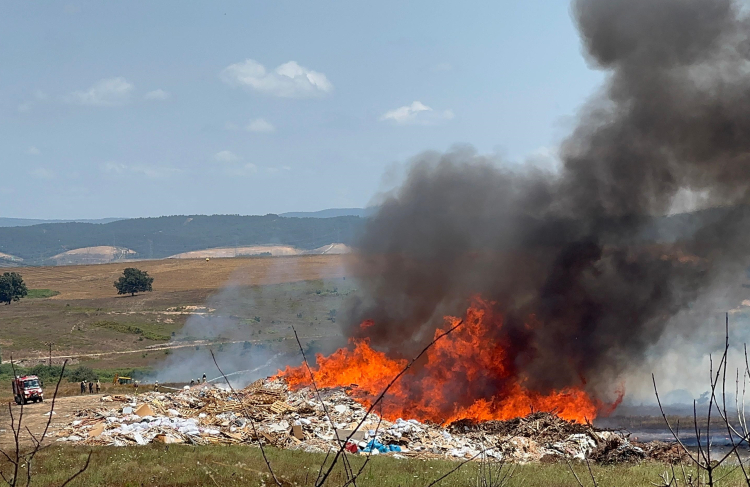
[87, 316]
[179, 275]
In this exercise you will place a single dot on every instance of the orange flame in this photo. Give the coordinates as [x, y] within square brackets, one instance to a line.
[467, 375]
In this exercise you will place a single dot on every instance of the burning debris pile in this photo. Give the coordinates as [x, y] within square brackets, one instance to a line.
[584, 261]
[297, 420]
[469, 373]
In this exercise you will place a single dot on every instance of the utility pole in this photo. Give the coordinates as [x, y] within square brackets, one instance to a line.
[49, 344]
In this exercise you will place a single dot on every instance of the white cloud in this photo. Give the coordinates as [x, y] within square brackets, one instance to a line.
[33, 151]
[225, 156]
[442, 67]
[232, 165]
[416, 114]
[114, 167]
[157, 95]
[289, 80]
[39, 96]
[241, 169]
[42, 173]
[151, 172]
[261, 126]
[105, 93]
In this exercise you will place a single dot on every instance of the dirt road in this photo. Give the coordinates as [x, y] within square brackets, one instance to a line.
[58, 358]
[35, 417]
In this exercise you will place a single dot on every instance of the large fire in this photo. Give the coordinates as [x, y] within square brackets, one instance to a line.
[468, 374]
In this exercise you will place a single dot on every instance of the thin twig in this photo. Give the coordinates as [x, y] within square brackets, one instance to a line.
[382, 394]
[252, 422]
[570, 466]
[347, 467]
[455, 469]
[669, 426]
[79, 472]
[369, 454]
[593, 479]
[39, 442]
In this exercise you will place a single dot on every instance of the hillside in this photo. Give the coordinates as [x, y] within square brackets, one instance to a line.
[170, 235]
[92, 255]
[262, 251]
[25, 222]
[331, 213]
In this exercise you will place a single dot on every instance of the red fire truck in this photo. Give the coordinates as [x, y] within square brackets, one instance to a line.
[27, 388]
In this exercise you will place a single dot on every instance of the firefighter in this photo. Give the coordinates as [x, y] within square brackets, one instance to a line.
[83, 387]
[156, 386]
[98, 386]
[135, 385]
[203, 381]
[192, 382]
[91, 387]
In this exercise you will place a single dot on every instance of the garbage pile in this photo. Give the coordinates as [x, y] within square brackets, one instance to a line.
[268, 412]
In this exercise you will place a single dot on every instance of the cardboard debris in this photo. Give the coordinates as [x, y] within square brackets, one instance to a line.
[96, 430]
[356, 436]
[268, 411]
[167, 439]
[297, 432]
[144, 410]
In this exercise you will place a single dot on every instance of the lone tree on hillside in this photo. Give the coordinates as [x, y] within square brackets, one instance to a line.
[133, 281]
[12, 287]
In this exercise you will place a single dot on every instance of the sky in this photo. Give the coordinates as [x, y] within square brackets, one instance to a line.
[135, 109]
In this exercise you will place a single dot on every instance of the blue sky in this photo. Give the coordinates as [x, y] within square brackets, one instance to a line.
[135, 108]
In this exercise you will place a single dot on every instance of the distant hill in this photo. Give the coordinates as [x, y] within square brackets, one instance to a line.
[92, 255]
[25, 222]
[170, 235]
[331, 213]
[262, 251]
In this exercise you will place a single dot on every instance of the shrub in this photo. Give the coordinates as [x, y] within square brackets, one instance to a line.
[82, 372]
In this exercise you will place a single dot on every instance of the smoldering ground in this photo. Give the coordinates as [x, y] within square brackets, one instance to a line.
[586, 252]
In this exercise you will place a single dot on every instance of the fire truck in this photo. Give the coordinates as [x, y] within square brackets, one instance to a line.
[27, 388]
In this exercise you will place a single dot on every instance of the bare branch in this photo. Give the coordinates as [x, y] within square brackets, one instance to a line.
[252, 422]
[669, 426]
[79, 472]
[382, 394]
[347, 467]
[570, 466]
[457, 467]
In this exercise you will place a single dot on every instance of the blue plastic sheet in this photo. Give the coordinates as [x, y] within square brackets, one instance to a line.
[381, 448]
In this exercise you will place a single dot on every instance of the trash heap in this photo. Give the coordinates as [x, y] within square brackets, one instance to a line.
[267, 411]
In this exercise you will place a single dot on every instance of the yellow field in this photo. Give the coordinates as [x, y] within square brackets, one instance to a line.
[172, 275]
[88, 318]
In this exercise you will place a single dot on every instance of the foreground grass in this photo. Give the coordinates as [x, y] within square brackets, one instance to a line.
[180, 465]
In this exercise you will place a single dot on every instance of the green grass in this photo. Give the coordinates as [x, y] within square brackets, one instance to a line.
[49, 375]
[41, 293]
[141, 329]
[243, 465]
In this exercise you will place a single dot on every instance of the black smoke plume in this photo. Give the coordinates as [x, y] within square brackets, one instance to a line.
[586, 249]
